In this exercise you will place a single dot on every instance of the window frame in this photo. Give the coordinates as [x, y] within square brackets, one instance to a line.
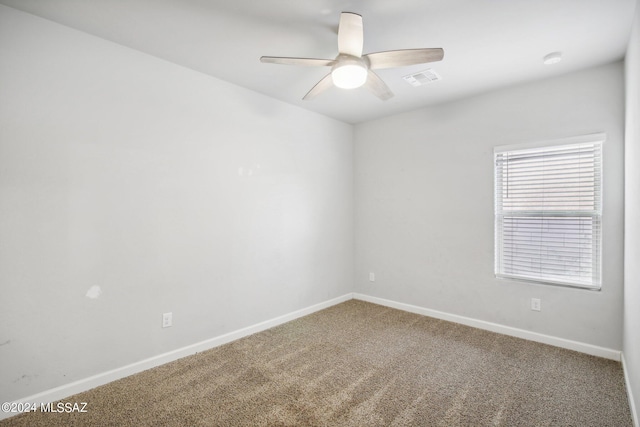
[595, 138]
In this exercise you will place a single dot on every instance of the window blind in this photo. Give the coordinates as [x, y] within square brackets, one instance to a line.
[548, 209]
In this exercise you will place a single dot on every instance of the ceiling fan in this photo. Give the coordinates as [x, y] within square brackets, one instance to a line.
[351, 69]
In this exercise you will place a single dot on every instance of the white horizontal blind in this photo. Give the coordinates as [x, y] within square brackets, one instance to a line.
[548, 208]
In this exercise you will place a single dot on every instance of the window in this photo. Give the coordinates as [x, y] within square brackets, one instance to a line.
[548, 211]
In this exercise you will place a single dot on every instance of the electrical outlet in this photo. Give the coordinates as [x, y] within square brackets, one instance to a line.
[167, 320]
[535, 304]
[372, 277]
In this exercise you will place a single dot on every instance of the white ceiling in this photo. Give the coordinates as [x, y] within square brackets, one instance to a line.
[487, 43]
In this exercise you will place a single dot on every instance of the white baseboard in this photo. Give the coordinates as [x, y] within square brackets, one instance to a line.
[85, 384]
[495, 327]
[632, 402]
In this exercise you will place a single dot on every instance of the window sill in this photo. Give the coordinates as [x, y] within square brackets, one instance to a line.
[533, 281]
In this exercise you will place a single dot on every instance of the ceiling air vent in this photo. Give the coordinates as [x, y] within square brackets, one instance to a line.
[422, 78]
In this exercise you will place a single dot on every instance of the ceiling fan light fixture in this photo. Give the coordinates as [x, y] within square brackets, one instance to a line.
[351, 68]
[349, 76]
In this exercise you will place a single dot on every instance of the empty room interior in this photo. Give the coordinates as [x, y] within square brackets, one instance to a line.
[327, 212]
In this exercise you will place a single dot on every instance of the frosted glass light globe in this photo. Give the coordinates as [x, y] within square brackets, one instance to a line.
[349, 76]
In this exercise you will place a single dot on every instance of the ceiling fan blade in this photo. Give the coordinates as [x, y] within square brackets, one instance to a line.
[350, 34]
[401, 58]
[320, 87]
[309, 62]
[377, 86]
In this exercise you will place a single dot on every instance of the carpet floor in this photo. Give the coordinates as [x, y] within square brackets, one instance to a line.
[361, 364]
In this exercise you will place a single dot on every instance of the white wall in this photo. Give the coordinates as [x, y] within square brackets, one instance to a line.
[424, 205]
[631, 347]
[168, 189]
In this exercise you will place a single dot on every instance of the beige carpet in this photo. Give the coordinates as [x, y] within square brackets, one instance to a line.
[360, 364]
